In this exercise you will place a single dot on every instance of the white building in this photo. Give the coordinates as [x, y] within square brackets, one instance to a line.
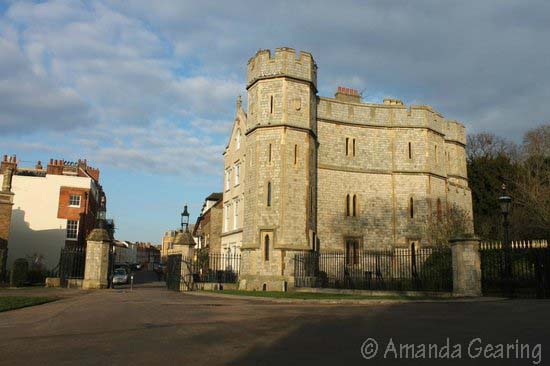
[233, 193]
[52, 208]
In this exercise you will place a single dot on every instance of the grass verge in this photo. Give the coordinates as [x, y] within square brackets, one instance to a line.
[320, 296]
[16, 302]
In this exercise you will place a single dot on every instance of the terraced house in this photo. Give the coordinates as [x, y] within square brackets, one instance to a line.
[304, 172]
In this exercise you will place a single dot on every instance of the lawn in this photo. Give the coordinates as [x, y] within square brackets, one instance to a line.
[321, 296]
[16, 302]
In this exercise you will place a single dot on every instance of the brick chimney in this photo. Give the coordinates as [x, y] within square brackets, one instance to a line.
[347, 95]
[8, 162]
[55, 167]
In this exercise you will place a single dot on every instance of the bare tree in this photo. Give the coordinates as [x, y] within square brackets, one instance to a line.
[488, 145]
[531, 187]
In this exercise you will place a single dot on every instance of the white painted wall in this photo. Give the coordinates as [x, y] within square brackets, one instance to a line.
[35, 227]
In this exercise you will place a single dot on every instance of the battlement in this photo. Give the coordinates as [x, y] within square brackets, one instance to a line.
[284, 62]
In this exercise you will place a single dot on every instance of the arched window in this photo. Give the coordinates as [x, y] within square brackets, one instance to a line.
[354, 212]
[266, 247]
[268, 194]
[438, 207]
[347, 205]
[411, 208]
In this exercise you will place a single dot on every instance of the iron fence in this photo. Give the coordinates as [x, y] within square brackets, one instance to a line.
[72, 263]
[522, 271]
[425, 269]
[209, 268]
[217, 268]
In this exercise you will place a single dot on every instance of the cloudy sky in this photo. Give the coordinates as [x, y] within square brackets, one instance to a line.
[145, 90]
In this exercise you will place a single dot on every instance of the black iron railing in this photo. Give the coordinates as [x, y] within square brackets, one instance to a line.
[425, 269]
[72, 263]
[529, 269]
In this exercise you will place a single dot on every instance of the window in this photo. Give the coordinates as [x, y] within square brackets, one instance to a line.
[411, 208]
[352, 251]
[227, 179]
[74, 200]
[266, 247]
[347, 146]
[347, 205]
[410, 151]
[271, 105]
[268, 194]
[227, 217]
[236, 215]
[295, 154]
[435, 152]
[238, 139]
[72, 229]
[269, 153]
[353, 147]
[237, 174]
[354, 206]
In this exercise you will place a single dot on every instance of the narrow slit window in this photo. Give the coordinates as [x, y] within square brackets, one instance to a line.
[271, 105]
[295, 154]
[347, 146]
[354, 206]
[435, 152]
[411, 208]
[269, 153]
[268, 194]
[266, 248]
[353, 147]
[410, 151]
[347, 205]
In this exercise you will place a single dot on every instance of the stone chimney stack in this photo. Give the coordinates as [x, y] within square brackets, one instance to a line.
[38, 165]
[8, 162]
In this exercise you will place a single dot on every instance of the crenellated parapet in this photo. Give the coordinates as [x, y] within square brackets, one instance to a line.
[284, 62]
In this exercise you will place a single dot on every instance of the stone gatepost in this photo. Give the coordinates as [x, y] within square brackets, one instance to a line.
[186, 244]
[96, 274]
[466, 266]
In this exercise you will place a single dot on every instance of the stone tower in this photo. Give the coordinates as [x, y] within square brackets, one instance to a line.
[281, 157]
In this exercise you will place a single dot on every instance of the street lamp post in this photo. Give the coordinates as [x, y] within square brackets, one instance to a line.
[505, 203]
[185, 219]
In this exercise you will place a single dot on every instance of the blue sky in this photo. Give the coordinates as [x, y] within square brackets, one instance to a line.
[146, 90]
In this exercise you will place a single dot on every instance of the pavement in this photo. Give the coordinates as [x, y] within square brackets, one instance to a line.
[151, 326]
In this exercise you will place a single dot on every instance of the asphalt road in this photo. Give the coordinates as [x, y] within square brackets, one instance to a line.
[153, 326]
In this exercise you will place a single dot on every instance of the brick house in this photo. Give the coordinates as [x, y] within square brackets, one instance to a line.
[208, 228]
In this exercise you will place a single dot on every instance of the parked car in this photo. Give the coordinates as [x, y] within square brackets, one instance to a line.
[120, 277]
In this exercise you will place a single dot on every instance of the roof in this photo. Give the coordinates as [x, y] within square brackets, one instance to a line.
[215, 196]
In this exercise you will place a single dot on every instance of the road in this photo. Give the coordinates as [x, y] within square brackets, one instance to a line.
[152, 326]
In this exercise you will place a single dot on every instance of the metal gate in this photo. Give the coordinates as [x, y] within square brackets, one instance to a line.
[72, 262]
[521, 271]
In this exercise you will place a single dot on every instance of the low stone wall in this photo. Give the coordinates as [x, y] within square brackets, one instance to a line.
[215, 286]
[373, 293]
[53, 282]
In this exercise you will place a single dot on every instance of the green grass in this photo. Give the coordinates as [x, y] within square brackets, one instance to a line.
[16, 302]
[321, 296]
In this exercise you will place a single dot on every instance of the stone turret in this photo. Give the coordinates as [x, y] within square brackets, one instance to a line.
[281, 150]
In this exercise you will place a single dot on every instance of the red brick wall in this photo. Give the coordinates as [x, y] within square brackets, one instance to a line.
[85, 214]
